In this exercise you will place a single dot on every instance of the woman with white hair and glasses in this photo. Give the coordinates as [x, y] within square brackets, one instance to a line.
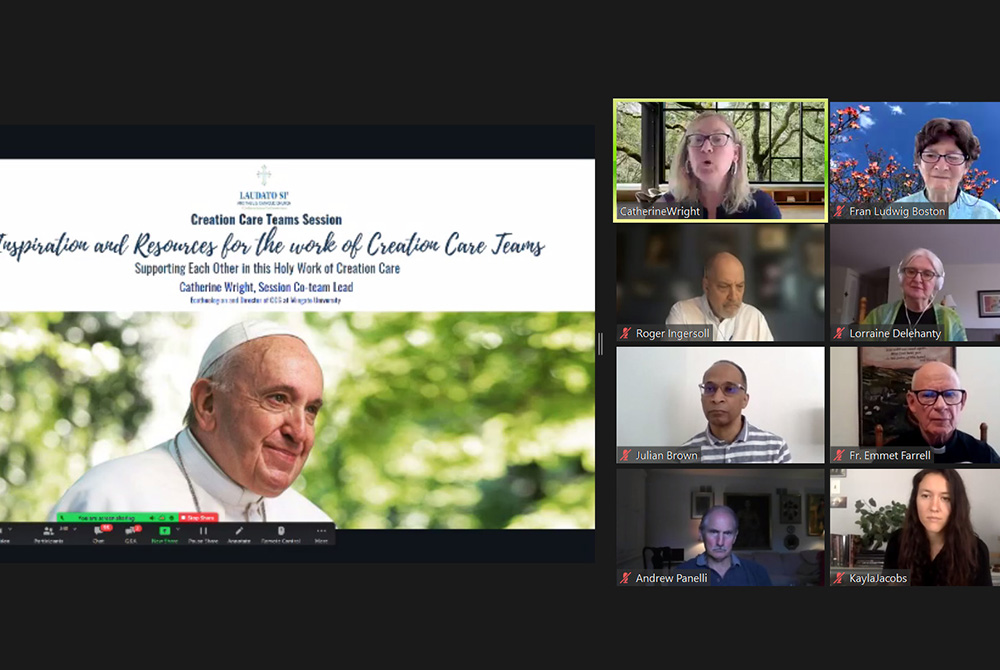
[921, 276]
[944, 151]
[710, 171]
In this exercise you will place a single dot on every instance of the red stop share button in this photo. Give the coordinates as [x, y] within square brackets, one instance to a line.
[199, 517]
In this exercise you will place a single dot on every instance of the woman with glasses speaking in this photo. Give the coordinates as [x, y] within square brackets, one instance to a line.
[921, 276]
[710, 170]
[945, 150]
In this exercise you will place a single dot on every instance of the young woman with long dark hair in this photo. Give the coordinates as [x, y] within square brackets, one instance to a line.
[937, 543]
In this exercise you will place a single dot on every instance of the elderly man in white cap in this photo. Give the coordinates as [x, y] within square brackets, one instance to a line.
[250, 428]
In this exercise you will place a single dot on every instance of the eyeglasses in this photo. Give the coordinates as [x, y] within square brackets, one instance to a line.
[716, 139]
[951, 159]
[913, 272]
[728, 388]
[930, 396]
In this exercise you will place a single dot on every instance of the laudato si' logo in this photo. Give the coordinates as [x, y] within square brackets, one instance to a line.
[263, 198]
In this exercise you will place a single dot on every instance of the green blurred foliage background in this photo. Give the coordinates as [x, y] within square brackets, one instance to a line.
[430, 420]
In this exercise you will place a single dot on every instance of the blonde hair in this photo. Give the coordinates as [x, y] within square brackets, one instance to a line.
[684, 185]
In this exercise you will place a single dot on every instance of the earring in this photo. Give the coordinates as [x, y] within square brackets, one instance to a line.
[687, 166]
[733, 170]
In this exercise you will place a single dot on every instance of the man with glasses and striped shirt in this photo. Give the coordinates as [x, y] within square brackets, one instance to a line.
[729, 437]
[936, 400]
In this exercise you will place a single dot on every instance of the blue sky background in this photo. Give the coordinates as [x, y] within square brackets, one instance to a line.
[893, 126]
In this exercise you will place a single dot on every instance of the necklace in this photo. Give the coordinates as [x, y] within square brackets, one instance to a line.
[907, 310]
[194, 496]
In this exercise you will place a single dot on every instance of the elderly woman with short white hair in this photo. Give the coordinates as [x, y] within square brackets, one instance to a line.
[921, 276]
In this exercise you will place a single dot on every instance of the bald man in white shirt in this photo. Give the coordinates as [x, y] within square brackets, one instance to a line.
[721, 304]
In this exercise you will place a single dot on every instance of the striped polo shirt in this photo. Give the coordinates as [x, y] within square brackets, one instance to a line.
[752, 445]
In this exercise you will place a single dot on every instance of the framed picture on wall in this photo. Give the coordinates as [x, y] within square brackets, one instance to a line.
[770, 275]
[790, 510]
[661, 248]
[753, 510]
[817, 514]
[885, 375]
[989, 303]
[701, 502]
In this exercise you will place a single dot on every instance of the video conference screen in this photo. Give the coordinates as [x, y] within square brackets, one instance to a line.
[770, 366]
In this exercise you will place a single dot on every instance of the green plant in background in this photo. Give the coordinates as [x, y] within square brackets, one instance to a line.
[69, 389]
[457, 420]
[878, 524]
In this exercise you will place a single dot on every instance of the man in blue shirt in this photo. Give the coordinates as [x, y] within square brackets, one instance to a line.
[719, 528]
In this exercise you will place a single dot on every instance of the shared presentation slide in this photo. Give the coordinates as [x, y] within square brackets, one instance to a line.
[393, 343]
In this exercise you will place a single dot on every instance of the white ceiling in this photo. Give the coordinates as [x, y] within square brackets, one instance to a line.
[867, 247]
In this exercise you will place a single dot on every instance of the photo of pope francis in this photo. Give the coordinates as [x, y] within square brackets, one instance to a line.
[249, 429]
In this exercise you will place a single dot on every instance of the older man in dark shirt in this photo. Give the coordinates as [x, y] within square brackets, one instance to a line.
[936, 400]
[719, 528]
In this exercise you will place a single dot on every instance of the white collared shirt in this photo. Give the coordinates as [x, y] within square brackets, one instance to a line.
[749, 325]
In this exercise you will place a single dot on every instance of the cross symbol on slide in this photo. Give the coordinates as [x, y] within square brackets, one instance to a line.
[263, 174]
